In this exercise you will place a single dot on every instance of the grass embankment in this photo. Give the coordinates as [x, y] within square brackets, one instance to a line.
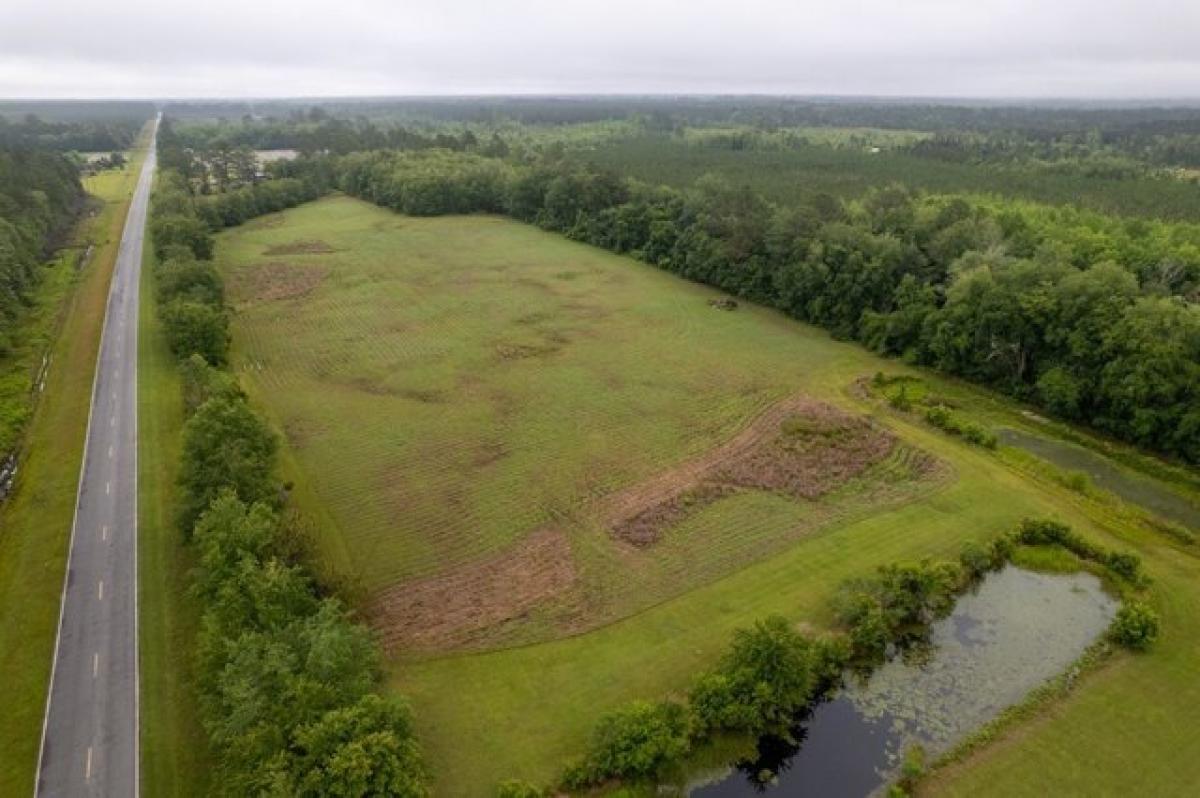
[446, 385]
[35, 524]
[174, 748]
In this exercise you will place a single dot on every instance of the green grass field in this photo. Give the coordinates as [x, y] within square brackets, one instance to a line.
[35, 523]
[446, 386]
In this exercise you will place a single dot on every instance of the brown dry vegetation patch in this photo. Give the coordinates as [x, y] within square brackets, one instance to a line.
[812, 454]
[303, 247]
[276, 280]
[799, 447]
[460, 606]
[525, 351]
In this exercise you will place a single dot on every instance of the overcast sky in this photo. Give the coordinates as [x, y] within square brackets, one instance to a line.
[260, 48]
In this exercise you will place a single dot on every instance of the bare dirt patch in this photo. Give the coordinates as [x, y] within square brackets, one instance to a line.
[799, 447]
[460, 606]
[277, 280]
[302, 247]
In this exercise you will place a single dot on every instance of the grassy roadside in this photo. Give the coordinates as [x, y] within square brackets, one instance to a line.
[173, 744]
[35, 524]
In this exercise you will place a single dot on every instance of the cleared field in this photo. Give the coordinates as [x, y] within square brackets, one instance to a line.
[469, 403]
[478, 404]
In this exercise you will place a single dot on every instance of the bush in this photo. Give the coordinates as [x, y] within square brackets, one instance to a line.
[366, 748]
[760, 684]
[1125, 564]
[193, 280]
[897, 604]
[941, 417]
[830, 655]
[193, 328]
[975, 560]
[202, 382]
[1136, 626]
[225, 446]
[633, 743]
[180, 230]
[871, 633]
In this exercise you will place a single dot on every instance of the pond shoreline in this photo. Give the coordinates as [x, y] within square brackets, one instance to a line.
[997, 647]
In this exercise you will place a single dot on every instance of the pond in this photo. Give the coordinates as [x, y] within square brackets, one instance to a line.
[1013, 632]
[1142, 492]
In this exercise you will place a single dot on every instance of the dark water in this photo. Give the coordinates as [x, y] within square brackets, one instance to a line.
[1142, 492]
[1015, 631]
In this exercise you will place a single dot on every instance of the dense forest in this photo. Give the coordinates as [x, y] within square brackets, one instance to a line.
[793, 167]
[779, 111]
[1091, 317]
[92, 135]
[40, 193]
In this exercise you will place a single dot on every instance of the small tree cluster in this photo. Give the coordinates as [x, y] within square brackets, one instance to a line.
[896, 604]
[770, 673]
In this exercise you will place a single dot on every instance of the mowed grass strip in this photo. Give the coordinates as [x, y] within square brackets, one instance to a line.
[35, 524]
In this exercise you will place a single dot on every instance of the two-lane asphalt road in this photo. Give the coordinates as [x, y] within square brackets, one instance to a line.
[90, 737]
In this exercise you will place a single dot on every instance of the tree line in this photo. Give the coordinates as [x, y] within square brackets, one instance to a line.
[1091, 318]
[88, 135]
[287, 678]
[40, 194]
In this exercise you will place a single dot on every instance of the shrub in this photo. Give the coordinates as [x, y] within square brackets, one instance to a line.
[194, 280]
[633, 743]
[366, 748]
[194, 328]
[225, 446]
[180, 230]
[896, 604]
[830, 655]
[941, 417]
[1136, 626]
[1124, 563]
[202, 382]
[975, 560]
[871, 633]
[761, 683]
[1001, 550]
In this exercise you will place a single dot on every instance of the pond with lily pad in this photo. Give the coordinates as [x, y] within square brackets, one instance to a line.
[1014, 631]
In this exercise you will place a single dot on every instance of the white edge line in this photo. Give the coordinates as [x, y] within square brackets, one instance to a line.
[62, 602]
[137, 587]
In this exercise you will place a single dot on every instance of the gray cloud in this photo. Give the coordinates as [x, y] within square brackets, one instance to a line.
[1006, 48]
